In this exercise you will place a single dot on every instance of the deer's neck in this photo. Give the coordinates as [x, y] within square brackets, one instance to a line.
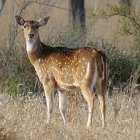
[32, 45]
[34, 50]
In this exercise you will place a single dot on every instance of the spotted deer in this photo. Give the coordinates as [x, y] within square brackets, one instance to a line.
[62, 69]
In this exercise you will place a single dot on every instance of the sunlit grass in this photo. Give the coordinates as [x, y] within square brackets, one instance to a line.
[25, 118]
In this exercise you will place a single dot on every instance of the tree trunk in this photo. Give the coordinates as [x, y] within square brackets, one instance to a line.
[77, 20]
[127, 2]
[77, 13]
[2, 2]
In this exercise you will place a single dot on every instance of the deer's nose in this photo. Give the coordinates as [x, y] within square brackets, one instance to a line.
[31, 35]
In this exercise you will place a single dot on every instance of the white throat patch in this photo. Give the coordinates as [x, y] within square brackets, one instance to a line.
[30, 46]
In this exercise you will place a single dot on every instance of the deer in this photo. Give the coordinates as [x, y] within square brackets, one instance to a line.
[62, 69]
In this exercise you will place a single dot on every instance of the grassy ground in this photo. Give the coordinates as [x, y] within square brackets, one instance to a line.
[25, 119]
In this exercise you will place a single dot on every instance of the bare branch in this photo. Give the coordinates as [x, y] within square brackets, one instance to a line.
[133, 19]
[50, 5]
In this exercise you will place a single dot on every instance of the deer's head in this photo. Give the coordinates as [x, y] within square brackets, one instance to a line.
[30, 27]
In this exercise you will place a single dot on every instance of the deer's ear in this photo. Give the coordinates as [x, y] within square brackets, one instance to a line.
[43, 21]
[20, 20]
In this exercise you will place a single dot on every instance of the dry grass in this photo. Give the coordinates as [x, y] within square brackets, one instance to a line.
[25, 119]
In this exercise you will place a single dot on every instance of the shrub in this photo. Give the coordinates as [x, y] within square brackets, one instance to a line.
[17, 75]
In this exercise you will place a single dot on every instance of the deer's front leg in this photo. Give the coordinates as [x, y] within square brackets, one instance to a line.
[49, 94]
[49, 101]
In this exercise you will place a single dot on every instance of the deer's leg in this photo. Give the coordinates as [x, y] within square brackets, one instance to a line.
[62, 105]
[49, 94]
[101, 90]
[89, 96]
[49, 99]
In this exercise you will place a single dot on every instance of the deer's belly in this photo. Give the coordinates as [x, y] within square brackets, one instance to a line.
[66, 81]
[66, 86]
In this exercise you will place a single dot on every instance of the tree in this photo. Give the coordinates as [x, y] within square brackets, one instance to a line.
[77, 13]
[2, 2]
[127, 2]
[77, 20]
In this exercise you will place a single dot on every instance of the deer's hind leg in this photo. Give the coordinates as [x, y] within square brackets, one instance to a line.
[89, 96]
[62, 105]
[101, 91]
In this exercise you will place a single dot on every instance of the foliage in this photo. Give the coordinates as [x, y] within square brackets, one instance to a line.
[123, 64]
[130, 24]
[68, 38]
[17, 75]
